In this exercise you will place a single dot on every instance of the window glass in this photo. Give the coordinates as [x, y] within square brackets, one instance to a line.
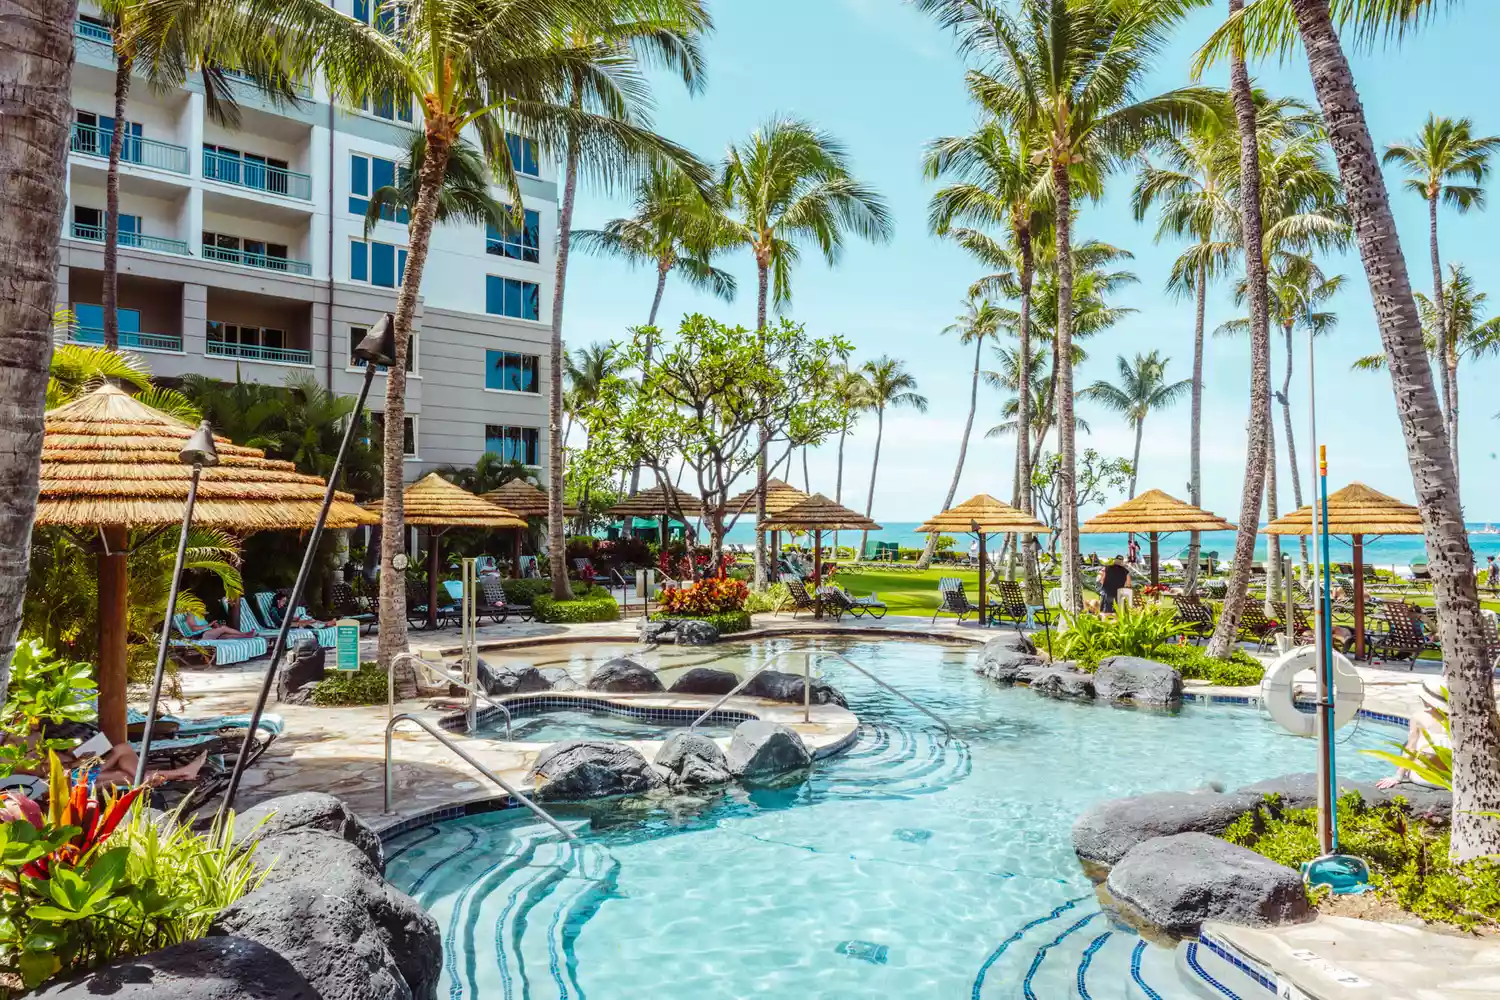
[528, 373]
[513, 444]
[408, 436]
[359, 263]
[362, 10]
[400, 268]
[523, 155]
[510, 297]
[383, 265]
[510, 371]
[516, 242]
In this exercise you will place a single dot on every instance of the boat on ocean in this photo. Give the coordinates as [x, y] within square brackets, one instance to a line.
[1488, 529]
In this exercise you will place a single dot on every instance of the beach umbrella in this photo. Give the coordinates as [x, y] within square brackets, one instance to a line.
[1356, 511]
[817, 514]
[523, 499]
[779, 496]
[983, 516]
[436, 504]
[661, 499]
[1154, 514]
[112, 477]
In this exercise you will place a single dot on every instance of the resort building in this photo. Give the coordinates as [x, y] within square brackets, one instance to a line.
[243, 255]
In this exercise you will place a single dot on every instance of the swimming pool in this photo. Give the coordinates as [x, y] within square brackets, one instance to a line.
[600, 722]
[909, 867]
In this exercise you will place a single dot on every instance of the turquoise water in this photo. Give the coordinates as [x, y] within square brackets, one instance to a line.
[909, 867]
[580, 724]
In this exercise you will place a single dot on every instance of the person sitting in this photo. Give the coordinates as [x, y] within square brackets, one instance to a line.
[1112, 579]
[1426, 732]
[197, 628]
[118, 765]
[279, 604]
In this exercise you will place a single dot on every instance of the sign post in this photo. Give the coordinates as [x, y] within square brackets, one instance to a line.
[347, 647]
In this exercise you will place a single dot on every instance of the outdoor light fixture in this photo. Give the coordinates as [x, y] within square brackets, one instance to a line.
[376, 349]
[199, 452]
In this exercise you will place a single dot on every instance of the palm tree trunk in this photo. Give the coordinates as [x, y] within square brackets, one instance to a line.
[393, 514]
[1260, 357]
[1291, 445]
[864, 536]
[1476, 727]
[661, 286]
[963, 450]
[1135, 456]
[806, 478]
[1195, 431]
[1032, 579]
[35, 108]
[1067, 489]
[838, 483]
[762, 276]
[557, 541]
[1440, 302]
[1273, 543]
[110, 292]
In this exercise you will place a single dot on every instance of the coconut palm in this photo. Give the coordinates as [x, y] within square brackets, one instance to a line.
[1142, 387]
[586, 370]
[1442, 156]
[1068, 71]
[888, 386]
[464, 197]
[790, 184]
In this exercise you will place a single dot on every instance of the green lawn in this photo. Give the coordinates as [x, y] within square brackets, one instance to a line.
[906, 592]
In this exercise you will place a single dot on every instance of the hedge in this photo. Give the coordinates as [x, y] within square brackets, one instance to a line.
[592, 605]
[725, 621]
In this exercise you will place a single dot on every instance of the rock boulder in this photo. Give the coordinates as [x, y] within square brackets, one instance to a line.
[520, 679]
[777, 686]
[762, 749]
[1107, 830]
[309, 812]
[655, 633]
[705, 680]
[1006, 665]
[1175, 883]
[559, 679]
[591, 769]
[212, 968]
[624, 674]
[696, 633]
[692, 759]
[1060, 682]
[1133, 679]
[1011, 642]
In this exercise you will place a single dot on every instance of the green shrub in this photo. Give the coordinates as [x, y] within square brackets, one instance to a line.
[773, 598]
[365, 686]
[725, 621]
[1408, 858]
[591, 604]
[1131, 632]
[525, 591]
[1194, 663]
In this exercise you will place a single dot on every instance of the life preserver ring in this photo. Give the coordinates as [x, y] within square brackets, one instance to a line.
[1277, 694]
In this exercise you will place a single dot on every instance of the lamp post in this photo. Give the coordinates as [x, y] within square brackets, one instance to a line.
[377, 348]
[199, 452]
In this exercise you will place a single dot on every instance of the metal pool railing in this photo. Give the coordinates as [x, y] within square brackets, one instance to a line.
[445, 676]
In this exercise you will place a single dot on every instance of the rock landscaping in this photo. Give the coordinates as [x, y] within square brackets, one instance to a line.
[624, 674]
[511, 680]
[705, 680]
[762, 749]
[1063, 682]
[774, 685]
[1108, 830]
[692, 759]
[1133, 679]
[591, 769]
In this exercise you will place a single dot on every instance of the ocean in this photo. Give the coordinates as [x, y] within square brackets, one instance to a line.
[1386, 552]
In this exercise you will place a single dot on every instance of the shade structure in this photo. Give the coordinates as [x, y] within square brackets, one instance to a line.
[1357, 511]
[1154, 513]
[659, 499]
[779, 496]
[818, 514]
[111, 465]
[436, 504]
[524, 499]
[983, 515]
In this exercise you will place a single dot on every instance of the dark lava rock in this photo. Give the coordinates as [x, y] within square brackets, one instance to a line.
[1012, 642]
[325, 909]
[1007, 665]
[1063, 683]
[705, 680]
[1107, 830]
[777, 686]
[692, 759]
[696, 633]
[657, 632]
[624, 674]
[1175, 883]
[303, 666]
[308, 812]
[1144, 682]
[212, 968]
[559, 679]
[764, 749]
[591, 769]
[1300, 791]
[511, 680]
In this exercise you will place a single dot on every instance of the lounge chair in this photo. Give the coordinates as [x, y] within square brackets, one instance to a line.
[227, 652]
[1194, 618]
[953, 599]
[1401, 638]
[1421, 576]
[856, 606]
[1255, 625]
[346, 605]
[497, 607]
[416, 608]
[1011, 605]
[801, 599]
[328, 637]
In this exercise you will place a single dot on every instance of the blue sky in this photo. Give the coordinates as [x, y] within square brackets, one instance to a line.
[885, 80]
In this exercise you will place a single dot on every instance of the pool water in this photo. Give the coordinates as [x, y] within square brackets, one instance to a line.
[911, 866]
[584, 724]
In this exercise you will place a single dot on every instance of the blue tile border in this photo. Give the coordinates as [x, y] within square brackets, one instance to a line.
[1203, 974]
[1302, 706]
[526, 706]
[1228, 953]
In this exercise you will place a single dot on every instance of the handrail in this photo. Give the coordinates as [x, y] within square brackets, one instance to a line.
[437, 671]
[927, 712]
[390, 728]
[740, 686]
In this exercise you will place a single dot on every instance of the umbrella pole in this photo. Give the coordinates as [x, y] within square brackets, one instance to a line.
[434, 561]
[303, 573]
[1359, 597]
[817, 573]
[1155, 561]
[114, 589]
[984, 618]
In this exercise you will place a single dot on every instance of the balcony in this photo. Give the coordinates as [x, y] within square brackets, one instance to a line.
[91, 32]
[256, 176]
[137, 341]
[92, 141]
[95, 234]
[253, 352]
[283, 264]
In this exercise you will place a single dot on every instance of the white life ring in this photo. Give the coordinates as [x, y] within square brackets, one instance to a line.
[1277, 691]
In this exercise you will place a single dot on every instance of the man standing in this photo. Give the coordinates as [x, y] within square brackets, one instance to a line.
[1494, 576]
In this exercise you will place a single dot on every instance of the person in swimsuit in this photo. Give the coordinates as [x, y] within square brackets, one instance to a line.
[200, 629]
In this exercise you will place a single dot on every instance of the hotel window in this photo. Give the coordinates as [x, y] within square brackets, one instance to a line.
[388, 106]
[97, 131]
[378, 263]
[368, 174]
[408, 435]
[357, 333]
[509, 297]
[513, 444]
[510, 371]
[231, 166]
[88, 224]
[523, 158]
[90, 319]
[521, 242]
[246, 336]
[256, 253]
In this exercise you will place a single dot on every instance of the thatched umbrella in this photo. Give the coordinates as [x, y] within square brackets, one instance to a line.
[779, 496]
[659, 501]
[111, 466]
[523, 499]
[983, 515]
[1154, 513]
[436, 504]
[1357, 511]
[817, 514]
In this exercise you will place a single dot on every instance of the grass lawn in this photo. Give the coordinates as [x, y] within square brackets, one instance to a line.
[908, 591]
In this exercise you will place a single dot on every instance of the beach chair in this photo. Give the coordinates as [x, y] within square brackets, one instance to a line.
[1193, 618]
[801, 599]
[327, 638]
[1421, 576]
[1399, 636]
[1256, 626]
[953, 599]
[345, 605]
[226, 652]
[1011, 606]
[856, 606]
[416, 608]
[494, 604]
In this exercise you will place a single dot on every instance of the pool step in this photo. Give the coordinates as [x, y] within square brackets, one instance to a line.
[1214, 976]
[1073, 953]
[895, 763]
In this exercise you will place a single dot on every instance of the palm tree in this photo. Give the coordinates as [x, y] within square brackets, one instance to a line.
[980, 320]
[464, 197]
[889, 385]
[1068, 72]
[852, 393]
[1445, 151]
[585, 370]
[1142, 387]
[791, 183]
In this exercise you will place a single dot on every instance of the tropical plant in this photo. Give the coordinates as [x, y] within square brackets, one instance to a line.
[488, 473]
[464, 197]
[584, 373]
[45, 690]
[1142, 387]
[705, 597]
[1098, 477]
[1089, 638]
[891, 386]
[76, 369]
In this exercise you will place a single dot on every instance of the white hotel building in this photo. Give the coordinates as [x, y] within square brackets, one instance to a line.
[243, 254]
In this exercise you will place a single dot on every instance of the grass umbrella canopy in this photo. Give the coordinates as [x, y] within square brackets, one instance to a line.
[1155, 511]
[434, 502]
[653, 502]
[1354, 510]
[524, 499]
[111, 461]
[818, 513]
[992, 517]
[779, 497]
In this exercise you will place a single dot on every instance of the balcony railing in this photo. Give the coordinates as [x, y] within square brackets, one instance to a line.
[253, 352]
[92, 32]
[260, 260]
[139, 341]
[95, 234]
[93, 141]
[258, 176]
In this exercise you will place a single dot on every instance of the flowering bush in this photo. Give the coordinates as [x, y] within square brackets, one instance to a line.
[683, 565]
[706, 597]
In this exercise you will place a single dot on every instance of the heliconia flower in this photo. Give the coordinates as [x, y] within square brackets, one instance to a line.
[16, 806]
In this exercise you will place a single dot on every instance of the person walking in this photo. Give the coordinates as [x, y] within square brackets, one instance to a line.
[1494, 576]
[1133, 550]
[1112, 579]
